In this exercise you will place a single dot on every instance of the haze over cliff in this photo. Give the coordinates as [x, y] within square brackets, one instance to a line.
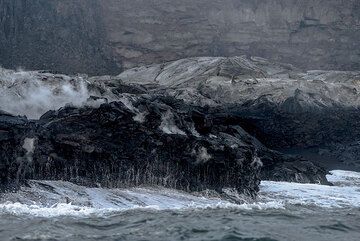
[107, 36]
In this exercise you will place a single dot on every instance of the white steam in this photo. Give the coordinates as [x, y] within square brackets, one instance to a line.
[32, 94]
[168, 125]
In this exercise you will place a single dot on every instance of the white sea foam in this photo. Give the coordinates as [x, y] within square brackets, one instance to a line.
[344, 193]
[60, 209]
[311, 194]
[344, 178]
[57, 198]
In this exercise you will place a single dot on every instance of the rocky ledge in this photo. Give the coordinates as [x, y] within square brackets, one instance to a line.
[164, 142]
[314, 114]
[192, 124]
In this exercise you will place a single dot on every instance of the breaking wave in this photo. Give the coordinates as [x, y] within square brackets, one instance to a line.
[57, 198]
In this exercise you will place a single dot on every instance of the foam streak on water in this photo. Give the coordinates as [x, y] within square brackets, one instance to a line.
[56, 198]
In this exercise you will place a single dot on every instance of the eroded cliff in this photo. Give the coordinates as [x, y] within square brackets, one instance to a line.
[104, 36]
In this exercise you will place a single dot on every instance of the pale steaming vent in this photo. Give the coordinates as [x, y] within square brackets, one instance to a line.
[31, 94]
[202, 155]
[29, 145]
[168, 125]
[257, 162]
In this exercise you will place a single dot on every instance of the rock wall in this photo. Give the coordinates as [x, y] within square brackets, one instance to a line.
[104, 36]
[321, 34]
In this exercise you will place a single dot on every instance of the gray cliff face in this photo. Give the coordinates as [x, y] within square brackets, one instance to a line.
[313, 34]
[104, 36]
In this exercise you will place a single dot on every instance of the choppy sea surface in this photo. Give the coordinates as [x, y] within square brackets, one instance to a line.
[283, 211]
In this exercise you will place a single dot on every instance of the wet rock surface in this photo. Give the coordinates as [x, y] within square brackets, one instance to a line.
[108, 146]
[172, 145]
[13, 131]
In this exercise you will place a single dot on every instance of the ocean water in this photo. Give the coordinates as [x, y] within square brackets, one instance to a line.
[283, 211]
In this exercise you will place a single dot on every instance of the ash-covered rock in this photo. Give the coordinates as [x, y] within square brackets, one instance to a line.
[190, 124]
[280, 105]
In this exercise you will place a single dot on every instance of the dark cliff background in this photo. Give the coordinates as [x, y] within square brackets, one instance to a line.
[106, 36]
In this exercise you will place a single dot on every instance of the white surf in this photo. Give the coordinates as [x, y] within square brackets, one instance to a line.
[57, 198]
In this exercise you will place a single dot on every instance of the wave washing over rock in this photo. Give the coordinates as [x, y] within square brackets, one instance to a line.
[57, 198]
[57, 210]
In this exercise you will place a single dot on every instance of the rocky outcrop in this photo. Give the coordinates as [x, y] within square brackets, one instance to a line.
[191, 124]
[154, 140]
[13, 153]
[111, 146]
[102, 37]
[159, 145]
[281, 106]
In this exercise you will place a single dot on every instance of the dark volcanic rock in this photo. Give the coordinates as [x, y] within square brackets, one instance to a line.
[281, 106]
[278, 128]
[158, 141]
[13, 157]
[191, 124]
[280, 167]
[276, 166]
[108, 146]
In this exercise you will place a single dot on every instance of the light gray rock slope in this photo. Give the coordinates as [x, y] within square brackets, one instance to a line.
[237, 80]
